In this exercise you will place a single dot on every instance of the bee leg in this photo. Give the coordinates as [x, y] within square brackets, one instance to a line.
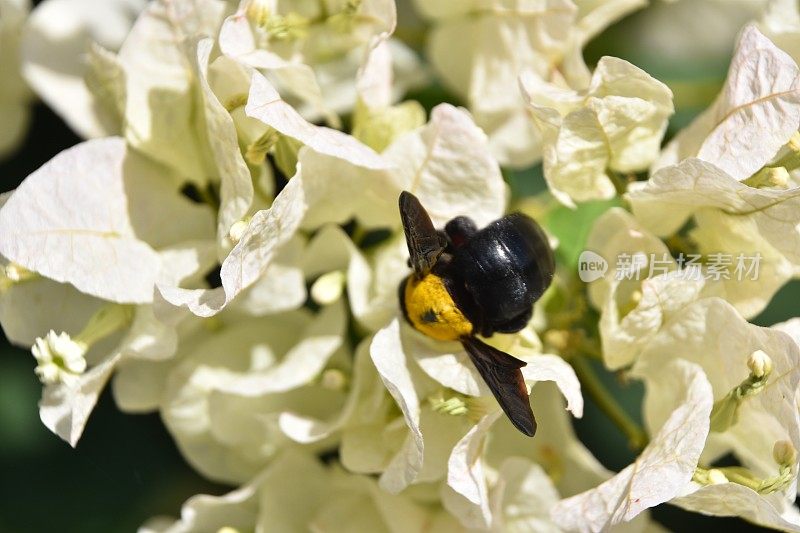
[515, 324]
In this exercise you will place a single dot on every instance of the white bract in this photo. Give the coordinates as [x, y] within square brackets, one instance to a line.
[222, 401]
[750, 424]
[56, 41]
[14, 94]
[116, 209]
[339, 178]
[661, 472]
[614, 125]
[507, 38]
[314, 53]
[756, 113]
[642, 289]
[731, 218]
[297, 492]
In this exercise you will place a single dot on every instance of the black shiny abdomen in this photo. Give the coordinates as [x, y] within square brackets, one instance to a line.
[497, 273]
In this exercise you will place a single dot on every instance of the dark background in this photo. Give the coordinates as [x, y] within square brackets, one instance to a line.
[126, 468]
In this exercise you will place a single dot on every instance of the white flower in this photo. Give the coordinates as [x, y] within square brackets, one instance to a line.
[339, 178]
[507, 38]
[14, 95]
[66, 405]
[751, 413]
[30, 308]
[635, 303]
[662, 471]
[59, 358]
[315, 55]
[756, 113]
[101, 212]
[297, 493]
[614, 125]
[55, 42]
[732, 218]
[223, 400]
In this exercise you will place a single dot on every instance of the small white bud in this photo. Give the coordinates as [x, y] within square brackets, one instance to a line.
[760, 364]
[716, 477]
[784, 453]
[333, 379]
[237, 231]
[328, 287]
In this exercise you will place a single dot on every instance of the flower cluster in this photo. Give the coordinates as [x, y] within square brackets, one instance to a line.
[225, 249]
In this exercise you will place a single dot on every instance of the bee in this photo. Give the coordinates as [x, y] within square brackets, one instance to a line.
[467, 282]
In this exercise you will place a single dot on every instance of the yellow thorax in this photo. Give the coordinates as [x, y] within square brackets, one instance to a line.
[432, 311]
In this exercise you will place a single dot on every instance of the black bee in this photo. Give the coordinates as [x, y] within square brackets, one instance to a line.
[469, 282]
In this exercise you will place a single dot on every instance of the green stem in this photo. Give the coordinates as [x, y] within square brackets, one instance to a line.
[619, 181]
[636, 436]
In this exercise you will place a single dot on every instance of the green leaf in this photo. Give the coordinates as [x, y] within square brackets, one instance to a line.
[572, 227]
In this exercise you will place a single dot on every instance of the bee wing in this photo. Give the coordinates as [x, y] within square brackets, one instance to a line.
[502, 374]
[425, 244]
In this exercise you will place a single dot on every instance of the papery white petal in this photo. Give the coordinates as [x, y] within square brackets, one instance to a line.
[372, 282]
[716, 232]
[88, 209]
[138, 384]
[29, 309]
[228, 435]
[555, 446]
[613, 234]
[266, 105]
[148, 338]
[282, 494]
[675, 193]
[393, 366]
[554, 368]
[483, 68]
[300, 364]
[661, 298]
[615, 124]
[731, 499]
[65, 408]
[282, 287]
[712, 334]
[447, 164]
[268, 231]
[54, 42]
[237, 41]
[374, 82]
[790, 327]
[660, 473]
[756, 113]
[523, 497]
[306, 429]
[338, 187]
[236, 188]
[237, 509]
[159, 107]
[466, 479]
[634, 307]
